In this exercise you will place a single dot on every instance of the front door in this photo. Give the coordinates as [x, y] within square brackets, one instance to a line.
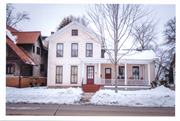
[108, 75]
[90, 74]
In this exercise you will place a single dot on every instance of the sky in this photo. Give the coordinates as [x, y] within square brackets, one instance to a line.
[47, 17]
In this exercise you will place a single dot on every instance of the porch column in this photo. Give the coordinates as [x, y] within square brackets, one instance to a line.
[149, 73]
[125, 74]
[99, 73]
[83, 73]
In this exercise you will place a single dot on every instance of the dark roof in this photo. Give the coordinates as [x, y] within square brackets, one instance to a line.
[24, 57]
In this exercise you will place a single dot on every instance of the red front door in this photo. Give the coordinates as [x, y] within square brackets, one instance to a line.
[90, 74]
[108, 75]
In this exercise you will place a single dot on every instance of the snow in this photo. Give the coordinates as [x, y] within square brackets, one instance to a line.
[158, 97]
[13, 38]
[136, 55]
[43, 95]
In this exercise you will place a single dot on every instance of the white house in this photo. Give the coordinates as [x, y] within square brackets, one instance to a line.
[74, 59]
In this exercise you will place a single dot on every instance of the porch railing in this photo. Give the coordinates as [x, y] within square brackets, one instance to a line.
[122, 82]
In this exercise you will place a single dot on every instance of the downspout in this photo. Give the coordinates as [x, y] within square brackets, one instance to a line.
[20, 77]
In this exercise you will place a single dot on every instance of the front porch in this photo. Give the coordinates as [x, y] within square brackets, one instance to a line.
[131, 73]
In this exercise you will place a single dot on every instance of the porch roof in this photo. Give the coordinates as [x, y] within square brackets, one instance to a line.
[143, 57]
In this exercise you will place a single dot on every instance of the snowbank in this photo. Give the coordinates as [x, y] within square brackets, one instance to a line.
[158, 97]
[43, 95]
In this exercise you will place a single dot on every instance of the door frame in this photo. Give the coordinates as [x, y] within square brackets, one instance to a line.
[105, 72]
[87, 73]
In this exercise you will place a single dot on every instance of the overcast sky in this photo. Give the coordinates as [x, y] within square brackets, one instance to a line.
[46, 17]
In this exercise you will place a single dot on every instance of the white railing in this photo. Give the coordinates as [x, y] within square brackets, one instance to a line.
[112, 81]
[122, 82]
[137, 82]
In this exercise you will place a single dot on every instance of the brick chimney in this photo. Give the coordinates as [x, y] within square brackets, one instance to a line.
[52, 32]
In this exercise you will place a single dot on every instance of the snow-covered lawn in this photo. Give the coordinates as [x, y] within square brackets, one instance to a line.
[43, 95]
[158, 97]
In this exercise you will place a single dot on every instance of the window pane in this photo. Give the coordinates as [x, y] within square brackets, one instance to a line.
[74, 46]
[59, 53]
[74, 32]
[74, 53]
[75, 70]
[59, 47]
[89, 46]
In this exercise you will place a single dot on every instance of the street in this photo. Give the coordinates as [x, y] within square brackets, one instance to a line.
[84, 110]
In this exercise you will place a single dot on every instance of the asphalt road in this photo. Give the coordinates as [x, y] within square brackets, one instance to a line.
[84, 110]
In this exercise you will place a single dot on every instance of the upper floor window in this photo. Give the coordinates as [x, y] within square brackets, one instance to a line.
[38, 51]
[59, 50]
[89, 49]
[75, 32]
[135, 72]
[74, 50]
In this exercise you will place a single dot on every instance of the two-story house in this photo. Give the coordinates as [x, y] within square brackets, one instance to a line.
[26, 59]
[75, 59]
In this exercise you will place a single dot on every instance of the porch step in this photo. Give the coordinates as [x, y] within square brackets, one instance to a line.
[91, 88]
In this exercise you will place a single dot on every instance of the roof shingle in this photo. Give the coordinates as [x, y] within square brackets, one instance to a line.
[26, 37]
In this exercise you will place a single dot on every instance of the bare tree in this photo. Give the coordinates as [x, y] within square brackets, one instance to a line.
[11, 20]
[145, 34]
[71, 18]
[113, 24]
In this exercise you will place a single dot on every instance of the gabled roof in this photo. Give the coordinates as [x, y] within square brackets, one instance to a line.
[26, 37]
[64, 29]
[24, 57]
[11, 29]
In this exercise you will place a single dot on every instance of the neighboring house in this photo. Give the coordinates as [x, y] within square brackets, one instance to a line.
[74, 59]
[26, 58]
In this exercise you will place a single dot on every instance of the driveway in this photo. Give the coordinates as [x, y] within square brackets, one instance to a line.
[85, 110]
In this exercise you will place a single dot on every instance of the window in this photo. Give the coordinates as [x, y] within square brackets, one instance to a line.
[33, 48]
[121, 72]
[59, 71]
[74, 71]
[9, 69]
[74, 50]
[74, 32]
[135, 71]
[89, 49]
[38, 51]
[42, 68]
[59, 50]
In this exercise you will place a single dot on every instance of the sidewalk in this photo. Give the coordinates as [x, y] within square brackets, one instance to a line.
[86, 97]
[85, 110]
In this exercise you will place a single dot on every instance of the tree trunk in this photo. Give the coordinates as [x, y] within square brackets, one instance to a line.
[116, 81]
